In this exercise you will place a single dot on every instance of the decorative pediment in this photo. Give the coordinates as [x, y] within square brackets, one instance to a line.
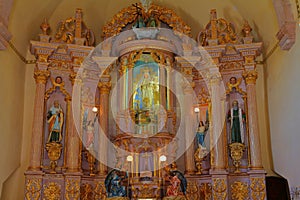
[70, 31]
[155, 16]
[219, 31]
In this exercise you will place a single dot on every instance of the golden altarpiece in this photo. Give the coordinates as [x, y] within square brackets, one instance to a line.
[147, 101]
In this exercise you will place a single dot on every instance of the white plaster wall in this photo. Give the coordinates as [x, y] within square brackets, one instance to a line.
[283, 81]
[11, 115]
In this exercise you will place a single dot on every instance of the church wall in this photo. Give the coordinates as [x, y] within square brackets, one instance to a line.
[283, 98]
[17, 98]
[11, 106]
[17, 180]
[263, 120]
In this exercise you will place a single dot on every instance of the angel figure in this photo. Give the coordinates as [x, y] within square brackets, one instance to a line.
[233, 83]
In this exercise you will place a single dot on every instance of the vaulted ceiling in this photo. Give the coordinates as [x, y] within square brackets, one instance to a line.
[26, 16]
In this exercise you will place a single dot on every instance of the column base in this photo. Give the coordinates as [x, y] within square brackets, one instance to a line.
[218, 172]
[189, 172]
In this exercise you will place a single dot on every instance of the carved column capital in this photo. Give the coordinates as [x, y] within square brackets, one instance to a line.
[74, 77]
[249, 60]
[250, 76]
[41, 76]
[187, 87]
[104, 87]
[43, 58]
[214, 78]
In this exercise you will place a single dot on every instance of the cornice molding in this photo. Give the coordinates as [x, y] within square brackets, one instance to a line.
[287, 24]
[5, 35]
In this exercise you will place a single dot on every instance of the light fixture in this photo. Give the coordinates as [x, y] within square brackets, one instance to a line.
[95, 109]
[163, 158]
[129, 158]
[196, 110]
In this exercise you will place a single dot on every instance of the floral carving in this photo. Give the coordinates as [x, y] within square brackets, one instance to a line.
[33, 188]
[52, 191]
[239, 191]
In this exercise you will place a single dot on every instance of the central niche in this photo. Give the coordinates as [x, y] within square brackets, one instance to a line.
[146, 96]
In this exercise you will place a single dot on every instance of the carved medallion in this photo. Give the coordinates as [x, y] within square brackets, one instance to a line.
[192, 191]
[219, 189]
[52, 191]
[239, 191]
[72, 189]
[258, 188]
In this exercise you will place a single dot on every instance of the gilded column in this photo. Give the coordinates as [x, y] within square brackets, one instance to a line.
[162, 98]
[162, 86]
[129, 97]
[122, 84]
[41, 77]
[250, 77]
[169, 87]
[217, 134]
[104, 88]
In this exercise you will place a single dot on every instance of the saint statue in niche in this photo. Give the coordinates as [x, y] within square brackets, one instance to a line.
[237, 118]
[55, 119]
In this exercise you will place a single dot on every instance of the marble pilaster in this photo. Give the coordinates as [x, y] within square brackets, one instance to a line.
[217, 134]
[73, 145]
[250, 76]
[41, 77]
[104, 88]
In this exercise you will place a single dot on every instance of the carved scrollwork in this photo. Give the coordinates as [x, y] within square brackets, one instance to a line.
[205, 191]
[86, 191]
[33, 189]
[100, 191]
[219, 189]
[192, 191]
[67, 29]
[60, 85]
[236, 153]
[54, 153]
[229, 66]
[203, 97]
[129, 15]
[72, 189]
[52, 191]
[218, 29]
[239, 190]
[258, 188]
